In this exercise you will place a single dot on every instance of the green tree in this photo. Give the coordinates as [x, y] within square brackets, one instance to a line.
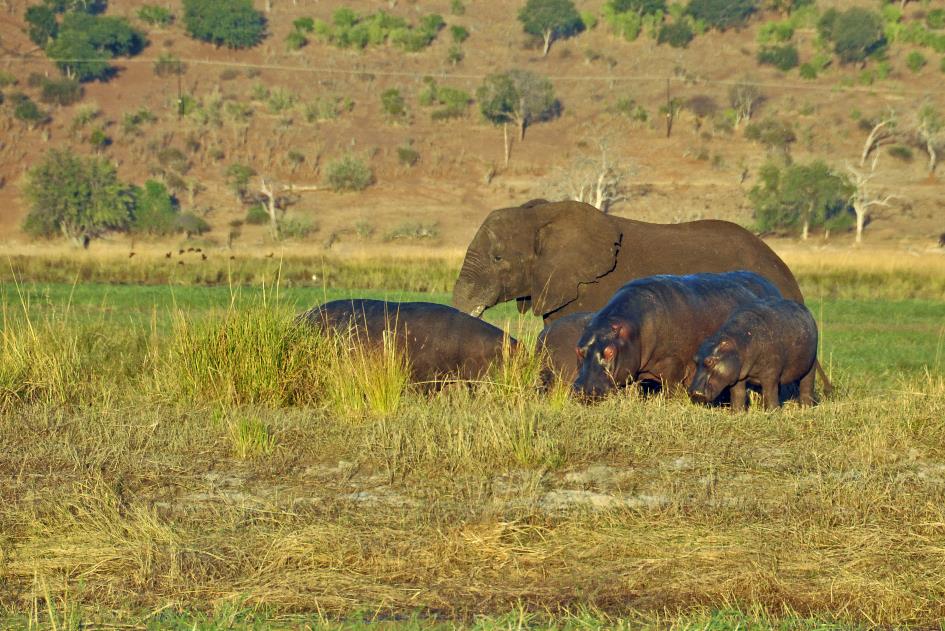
[550, 19]
[640, 7]
[856, 33]
[231, 23]
[81, 198]
[801, 197]
[517, 96]
[156, 211]
[722, 14]
[42, 24]
[86, 42]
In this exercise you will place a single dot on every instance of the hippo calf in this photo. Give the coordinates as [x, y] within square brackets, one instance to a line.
[652, 327]
[557, 341]
[768, 343]
[439, 342]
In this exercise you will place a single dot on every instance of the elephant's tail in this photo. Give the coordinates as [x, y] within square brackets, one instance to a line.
[828, 387]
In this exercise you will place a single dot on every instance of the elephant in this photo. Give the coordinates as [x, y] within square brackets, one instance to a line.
[558, 258]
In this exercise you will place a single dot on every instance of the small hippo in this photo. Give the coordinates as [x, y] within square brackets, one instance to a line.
[652, 327]
[558, 341]
[440, 342]
[768, 343]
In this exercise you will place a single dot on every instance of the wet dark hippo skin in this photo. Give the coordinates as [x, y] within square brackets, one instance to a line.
[439, 341]
[558, 341]
[767, 343]
[652, 327]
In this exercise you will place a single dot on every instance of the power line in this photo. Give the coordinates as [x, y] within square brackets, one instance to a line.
[451, 75]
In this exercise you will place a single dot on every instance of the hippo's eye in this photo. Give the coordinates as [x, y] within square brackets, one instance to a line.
[710, 362]
[609, 352]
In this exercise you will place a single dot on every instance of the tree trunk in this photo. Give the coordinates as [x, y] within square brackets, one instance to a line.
[547, 43]
[508, 145]
[804, 229]
[933, 157]
[860, 221]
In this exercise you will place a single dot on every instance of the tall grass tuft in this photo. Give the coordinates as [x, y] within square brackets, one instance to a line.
[251, 437]
[252, 355]
[364, 377]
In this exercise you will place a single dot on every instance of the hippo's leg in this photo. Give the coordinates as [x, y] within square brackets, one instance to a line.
[770, 392]
[672, 373]
[739, 395]
[807, 387]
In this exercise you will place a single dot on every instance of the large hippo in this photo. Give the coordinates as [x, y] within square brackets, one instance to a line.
[439, 341]
[768, 343]
[652, 327]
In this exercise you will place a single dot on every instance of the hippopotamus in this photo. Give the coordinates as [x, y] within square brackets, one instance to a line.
[768, 343]
[651, 328]
[440, 342]
[557, 341]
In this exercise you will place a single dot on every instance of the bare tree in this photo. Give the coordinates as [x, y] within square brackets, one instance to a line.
[597, 180]
[882, 130]
[276, 199]
[863, 198]
[744, 97]
[930, 131]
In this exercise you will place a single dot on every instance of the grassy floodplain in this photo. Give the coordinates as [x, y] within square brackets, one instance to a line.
[178, 455]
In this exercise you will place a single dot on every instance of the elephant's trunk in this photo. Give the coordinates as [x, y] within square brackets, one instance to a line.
[468, 293]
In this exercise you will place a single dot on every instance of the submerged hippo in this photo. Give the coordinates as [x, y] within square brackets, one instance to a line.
[768, 343]
[439, 342]
[557, 341]
[652, 327]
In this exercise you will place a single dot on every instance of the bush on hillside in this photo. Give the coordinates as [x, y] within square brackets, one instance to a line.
[230, 23]
[722, 14]
[781, 57]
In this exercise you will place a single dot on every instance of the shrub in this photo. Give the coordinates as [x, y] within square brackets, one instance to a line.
[63, 91]
[808, 71]
[296, 227]
[26, 110]
[901, 152]
[393, 104]
[231, 23]
[775, 32]
[295, 40]
[99, 139]
[781, 57]
[84, 44]
[413, 231]
[459, 34]
[856, 33]
[167, 65]
[306, 25]
[408, 156]
[774, 134]
[789, 198]
[155, 210]
[41, 24]
[237, 178]
[349, 173]
[191, 224]
[640, 7]
[455, 54]
[935, 19]
[676, 34]
[915, 61]
[588, 20]
[722, 14]
[155, 15]
[457, 7]
[625, 25]
[6, 79]
[256, 215]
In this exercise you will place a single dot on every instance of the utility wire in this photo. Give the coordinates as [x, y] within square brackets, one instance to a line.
[450, 75]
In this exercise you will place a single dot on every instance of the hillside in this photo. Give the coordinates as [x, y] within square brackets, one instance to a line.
[703, 170]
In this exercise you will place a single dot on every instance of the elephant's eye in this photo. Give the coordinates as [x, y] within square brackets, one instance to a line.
[496, 258]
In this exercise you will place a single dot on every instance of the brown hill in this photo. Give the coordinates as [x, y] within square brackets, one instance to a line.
[702, 170]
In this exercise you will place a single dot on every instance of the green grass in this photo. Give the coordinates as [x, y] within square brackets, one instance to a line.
[175, 457]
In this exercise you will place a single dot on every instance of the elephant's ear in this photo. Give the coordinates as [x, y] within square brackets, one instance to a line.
[534, 202]
[577, 245]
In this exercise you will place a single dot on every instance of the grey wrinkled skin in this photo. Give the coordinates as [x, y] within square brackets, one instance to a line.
[767, 343]
[440, 342]
[651, 328]
[558, 341]
[558, 258]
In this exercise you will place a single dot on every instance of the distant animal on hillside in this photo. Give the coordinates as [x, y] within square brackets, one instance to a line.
[652, 327]
[440, 342]
[768, 343]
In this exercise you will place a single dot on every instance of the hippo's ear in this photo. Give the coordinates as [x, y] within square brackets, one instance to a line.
[578, 244]
[622, 329]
